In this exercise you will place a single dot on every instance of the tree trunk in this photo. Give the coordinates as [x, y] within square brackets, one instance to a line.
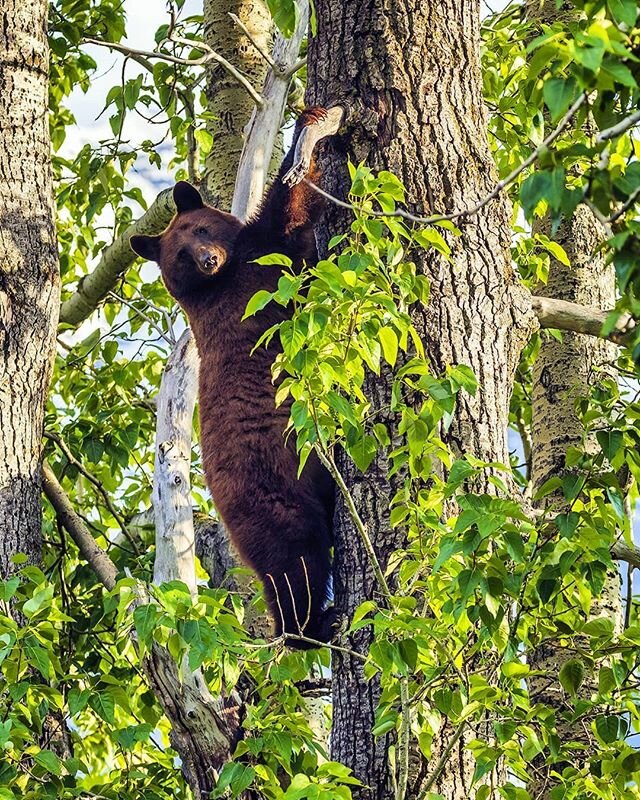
[411, 72]
[228, 103]
[29, 278]
[565, 371]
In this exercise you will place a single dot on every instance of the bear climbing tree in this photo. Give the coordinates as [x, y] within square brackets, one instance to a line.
[280, 523]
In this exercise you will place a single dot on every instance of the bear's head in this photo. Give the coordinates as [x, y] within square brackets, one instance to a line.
[196, 248]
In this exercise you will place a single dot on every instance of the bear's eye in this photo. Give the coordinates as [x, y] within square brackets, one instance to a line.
[201, 232]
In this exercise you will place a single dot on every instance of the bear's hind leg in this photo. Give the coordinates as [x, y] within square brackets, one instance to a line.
[297, 595]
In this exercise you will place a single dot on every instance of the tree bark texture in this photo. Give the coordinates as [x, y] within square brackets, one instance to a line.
[410, 75]
[29, 277]
[564, 372]
[228, 103]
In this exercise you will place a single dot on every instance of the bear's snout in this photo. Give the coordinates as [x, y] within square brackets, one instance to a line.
[210, 259]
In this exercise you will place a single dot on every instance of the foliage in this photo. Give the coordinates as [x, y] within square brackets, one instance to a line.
[480, 581]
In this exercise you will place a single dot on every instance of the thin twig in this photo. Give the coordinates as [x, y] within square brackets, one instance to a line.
[98, 485]
[210, 55]
[442, 761]
[625, 206]
[96, 557]
[329, 463]
[167, 336]
[267, 57]
[466, 212]
[404, 739]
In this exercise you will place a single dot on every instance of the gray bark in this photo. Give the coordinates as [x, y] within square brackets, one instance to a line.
[410, 73]
[564, 372]
[29, 276]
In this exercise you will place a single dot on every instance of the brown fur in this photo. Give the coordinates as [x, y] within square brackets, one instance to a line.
[280, 524]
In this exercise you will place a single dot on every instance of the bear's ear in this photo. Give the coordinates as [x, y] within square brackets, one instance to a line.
[186, 197]
[146, 246]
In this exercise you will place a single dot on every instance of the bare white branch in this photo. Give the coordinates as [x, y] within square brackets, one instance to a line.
[263, 127]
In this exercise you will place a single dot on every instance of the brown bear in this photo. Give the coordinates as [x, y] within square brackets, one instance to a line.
[281, 524]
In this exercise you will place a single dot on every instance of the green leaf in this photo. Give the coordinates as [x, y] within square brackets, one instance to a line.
[389, 342]
[93, 449]
[631, 763]
[623, 11]
[571, 676]
[274, 259]
[9, 587]
[77, 700]
[236, 778]
[104, 706]
[283, 13]
[257, 303]
[37, 656]
[534, 189]
[599, 627]
[610, 442]
[558, 252]
[204, 138]
[558, 95]
[607, 727]
[145, 619]
[49, 760]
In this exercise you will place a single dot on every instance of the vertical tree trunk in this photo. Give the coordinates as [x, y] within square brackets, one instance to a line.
[412, 72]
[29, 278]
[564, 371]
[228, 103]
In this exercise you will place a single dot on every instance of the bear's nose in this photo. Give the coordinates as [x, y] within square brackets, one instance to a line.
[209, 259]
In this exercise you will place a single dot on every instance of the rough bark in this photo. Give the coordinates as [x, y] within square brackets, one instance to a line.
[564, 372]
[228, 103]
[29, 277]
[412, 73]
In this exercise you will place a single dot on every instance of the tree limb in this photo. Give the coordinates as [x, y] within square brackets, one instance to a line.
[95, 556]
[210, 55]
[620, 128]
[621, 551]
[114, 261]
[568, 316]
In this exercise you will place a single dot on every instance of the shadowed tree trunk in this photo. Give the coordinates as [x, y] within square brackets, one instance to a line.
[410, 74]
[29, 278]
[564, 372]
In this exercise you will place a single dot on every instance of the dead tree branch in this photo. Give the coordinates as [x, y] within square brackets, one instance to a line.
[568, 316]
[209, 55]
